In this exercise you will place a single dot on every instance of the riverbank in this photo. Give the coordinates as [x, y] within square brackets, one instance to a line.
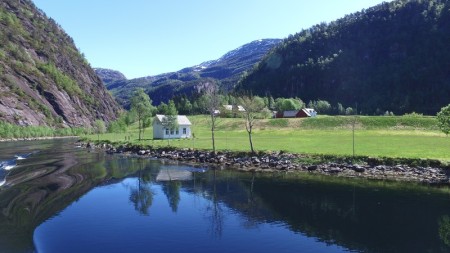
[398, 169]
[37, 138]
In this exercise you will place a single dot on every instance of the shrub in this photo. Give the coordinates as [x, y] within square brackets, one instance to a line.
[443, 118]
[63, 81]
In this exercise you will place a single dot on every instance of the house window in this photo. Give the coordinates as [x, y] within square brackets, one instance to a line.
[171, 131]
[177, 132]
[184, 130]
[167, 131]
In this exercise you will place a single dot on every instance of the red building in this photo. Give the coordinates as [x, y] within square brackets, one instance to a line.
[303, 113]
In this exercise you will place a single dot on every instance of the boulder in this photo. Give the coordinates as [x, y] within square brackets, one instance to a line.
[312, 167]
[358, 168]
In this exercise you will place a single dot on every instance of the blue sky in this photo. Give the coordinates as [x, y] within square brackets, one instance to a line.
[149, 37]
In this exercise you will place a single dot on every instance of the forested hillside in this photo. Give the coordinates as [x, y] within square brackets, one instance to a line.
[391, 57]
[44, 79]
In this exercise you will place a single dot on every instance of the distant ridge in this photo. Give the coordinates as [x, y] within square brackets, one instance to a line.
[110, 76]
[226, 71]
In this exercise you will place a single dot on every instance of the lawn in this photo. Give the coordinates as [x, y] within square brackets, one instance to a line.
[409, 137]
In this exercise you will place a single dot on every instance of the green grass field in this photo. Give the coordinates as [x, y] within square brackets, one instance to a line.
[396, 136]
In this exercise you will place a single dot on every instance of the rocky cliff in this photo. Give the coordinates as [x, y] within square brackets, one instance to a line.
[44, 80]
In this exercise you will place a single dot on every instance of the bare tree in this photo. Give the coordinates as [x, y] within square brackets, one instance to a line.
[142, 195]
[212, 99]
[252, 106]
[215, 212]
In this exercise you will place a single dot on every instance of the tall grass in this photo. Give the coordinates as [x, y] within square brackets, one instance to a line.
[8, 131]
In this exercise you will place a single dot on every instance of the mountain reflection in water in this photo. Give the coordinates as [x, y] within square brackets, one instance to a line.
[353, 215]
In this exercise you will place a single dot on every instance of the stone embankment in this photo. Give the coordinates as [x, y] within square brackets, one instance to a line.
[286, 162]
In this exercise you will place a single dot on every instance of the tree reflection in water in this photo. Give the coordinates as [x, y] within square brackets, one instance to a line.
[214, 211]
[172, 191]
[142, 195]
[444, 229]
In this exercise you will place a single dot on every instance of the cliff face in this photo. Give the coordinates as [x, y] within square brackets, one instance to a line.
[44, 80]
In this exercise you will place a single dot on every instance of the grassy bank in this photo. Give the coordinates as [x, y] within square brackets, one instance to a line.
[409, 137]
[10, 131]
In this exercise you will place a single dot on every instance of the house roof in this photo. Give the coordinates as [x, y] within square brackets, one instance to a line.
[293, 113]
[241, 108]
[181, 119]
[173, 174]
[309, 111]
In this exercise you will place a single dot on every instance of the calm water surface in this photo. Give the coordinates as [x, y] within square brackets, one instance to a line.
[56, 197]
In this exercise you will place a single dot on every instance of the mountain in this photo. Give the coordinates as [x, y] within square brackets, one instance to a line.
[44, 80]
[226, 71]
[392, 57]
[109, 76]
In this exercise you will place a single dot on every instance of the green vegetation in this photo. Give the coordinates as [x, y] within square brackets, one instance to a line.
[8, 131]
[63, 81]
[374, 60]
[372, 122]
[287, 104]
[253, 106]
[396, 136]
[443, 118]
[99, 128]
[141, 105]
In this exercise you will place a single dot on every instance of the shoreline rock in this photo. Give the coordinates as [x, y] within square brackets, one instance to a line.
[284, 162]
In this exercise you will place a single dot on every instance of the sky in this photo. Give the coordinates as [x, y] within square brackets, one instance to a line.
[148, 37]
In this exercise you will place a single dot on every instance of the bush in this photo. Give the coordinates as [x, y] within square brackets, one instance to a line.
[443, 118]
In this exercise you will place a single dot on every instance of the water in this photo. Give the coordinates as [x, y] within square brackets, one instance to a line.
[60, 198]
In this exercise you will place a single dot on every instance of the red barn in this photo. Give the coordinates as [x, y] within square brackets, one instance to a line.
[303, 113]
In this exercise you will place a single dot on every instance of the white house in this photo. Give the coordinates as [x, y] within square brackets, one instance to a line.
[230, 110]
[182, 131]
[239, 108]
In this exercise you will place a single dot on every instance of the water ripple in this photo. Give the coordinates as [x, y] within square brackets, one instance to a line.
[7, 165]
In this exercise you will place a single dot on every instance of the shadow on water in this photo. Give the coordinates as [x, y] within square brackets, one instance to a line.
[359, 215]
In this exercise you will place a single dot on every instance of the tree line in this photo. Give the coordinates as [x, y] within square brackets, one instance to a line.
[209, 102]
[199, 104]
